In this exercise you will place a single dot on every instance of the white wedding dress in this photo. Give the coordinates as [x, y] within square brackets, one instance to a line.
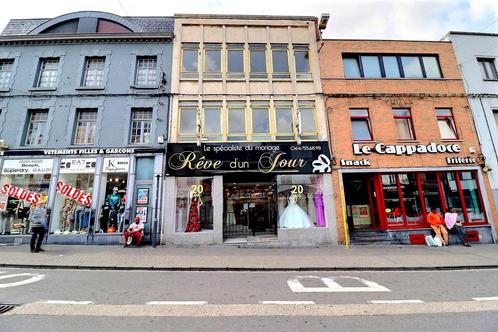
[294, 216]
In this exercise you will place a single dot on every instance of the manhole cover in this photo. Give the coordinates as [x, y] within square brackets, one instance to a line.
[6, 308]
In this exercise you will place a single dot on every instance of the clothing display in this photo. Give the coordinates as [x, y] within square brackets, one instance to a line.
[230, 212]
[194, 221]
[311, 207]
[66, 220]
[320, 214]
[294, 216]
[282, 201]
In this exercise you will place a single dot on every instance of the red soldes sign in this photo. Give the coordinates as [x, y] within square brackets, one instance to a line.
[73, 193]
[20, 193]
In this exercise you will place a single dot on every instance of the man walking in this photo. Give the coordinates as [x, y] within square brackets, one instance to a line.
[38, 218]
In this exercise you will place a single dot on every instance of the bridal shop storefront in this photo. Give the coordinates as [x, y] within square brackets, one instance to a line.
[245, 192]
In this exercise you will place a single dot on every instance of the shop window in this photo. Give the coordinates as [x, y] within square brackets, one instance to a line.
[47, 73]
[94, 72]
[391, 66]
[446, 123]
[141, 124]
[188, 121]
[280, 61]
[431, 67]
[351, 67]
[146, 71]
[5, 72]
[412, 67]
[85, 127]
[36, 130]
[300, 201]
[302, 61]
[371, 66]
[257, 54]
[307, 120]
[144, 169]
[212, 61]
[430, 188]
[260, 121]
[404, 123]
[411, 199]
[236, 130]
[488, 69]
[451, 194]
[211, 121]
[194, 204]
[235, 61]
[190, 61]
[72, 209]
[283, 119]
[360, 123]
[472, 197]
[392, 200]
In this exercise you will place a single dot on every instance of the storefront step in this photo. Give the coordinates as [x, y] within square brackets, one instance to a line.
[370, 237]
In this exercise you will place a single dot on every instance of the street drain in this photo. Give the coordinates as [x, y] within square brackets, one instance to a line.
[6, 308]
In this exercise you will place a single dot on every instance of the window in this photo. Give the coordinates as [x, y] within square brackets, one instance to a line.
[35, 134]
[488, 69]
[5, 73]
[431, 67]
[302, 61]
[141, 124]
[188, 120]
[94, 72]
[306, 119]
[472, 197]
[360, 124]
[47, 74]
[446, 123]
[351, 67]
[280, 61]
[211, 121]
[495, 114]
[212, 61]
[236, 121]
[235, 61]
[260, 121]
[194, 196]
[403, 122]
[283, 119]
[411, 204]
[411, 67]
[258, 61]
[146, 72]
[391, 67]
[190, 61]
[85, 127]
[371, 66]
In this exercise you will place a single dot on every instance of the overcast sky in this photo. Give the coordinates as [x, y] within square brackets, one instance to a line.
[394, 19]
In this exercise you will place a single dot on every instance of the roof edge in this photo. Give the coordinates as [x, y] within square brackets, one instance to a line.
[387, 40]
[247, 17]
[471, 33]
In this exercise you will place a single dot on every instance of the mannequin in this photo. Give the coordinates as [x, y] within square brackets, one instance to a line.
[121, 213]
[66, 214]
[282, 201]
[194, 221]
[230, 213]
[294, 216]
[320, 215]
[311, 207]
[104, 217]
[113, 198]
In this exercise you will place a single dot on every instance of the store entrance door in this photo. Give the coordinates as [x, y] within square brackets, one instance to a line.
[361, 207]
[249, 207]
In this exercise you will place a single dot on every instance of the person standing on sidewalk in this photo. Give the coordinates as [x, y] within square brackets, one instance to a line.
[450, 219]
[38, 218]
[436, 222]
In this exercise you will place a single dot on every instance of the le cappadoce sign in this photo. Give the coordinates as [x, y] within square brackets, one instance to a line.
[206, 159]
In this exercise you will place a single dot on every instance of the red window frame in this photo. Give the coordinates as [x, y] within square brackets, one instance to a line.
[410, 122]
[451, 119]
[359, 118]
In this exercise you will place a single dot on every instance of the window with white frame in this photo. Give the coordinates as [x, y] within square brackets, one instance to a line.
[488, 68]
[190, 61]
[37, 123]
[260, 120]
[47, 73]
[280, 61]
[146, 72]
[235, 61]
[5, 72]
[211, 121]
[257, 55]
[302, 61]
[446, 123]
[284, 120]
[141, 124]
[94, 72]
[236, 123]
[307, 119]
[212, 61]
[188, 121]
[85, 126]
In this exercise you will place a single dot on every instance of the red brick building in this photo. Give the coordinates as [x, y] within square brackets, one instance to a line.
[403, 141]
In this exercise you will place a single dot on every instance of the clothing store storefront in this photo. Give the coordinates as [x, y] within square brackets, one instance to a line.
[243, 192]
[90, 194]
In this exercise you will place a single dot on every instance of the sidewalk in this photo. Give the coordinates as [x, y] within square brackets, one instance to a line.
[374, 257]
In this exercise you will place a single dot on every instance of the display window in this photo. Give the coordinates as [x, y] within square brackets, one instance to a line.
[300, 201]
[194, 204]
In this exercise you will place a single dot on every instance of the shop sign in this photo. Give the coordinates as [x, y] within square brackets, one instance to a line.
[79, 152]
[27, 166]
[20, 193]
[78, 166]
[116, 165]
[361, 162]
[461, 160]
[71, 192]
[403, 149]
[284, 157]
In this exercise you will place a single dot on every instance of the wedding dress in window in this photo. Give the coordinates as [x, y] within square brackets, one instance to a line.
[294, 216]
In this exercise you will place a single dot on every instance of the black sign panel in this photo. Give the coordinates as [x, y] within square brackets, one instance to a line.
[284, 157]
[79, 152]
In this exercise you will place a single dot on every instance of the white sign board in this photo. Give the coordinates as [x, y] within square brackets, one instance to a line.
[27, 166]
[116, 165]
[78, 165]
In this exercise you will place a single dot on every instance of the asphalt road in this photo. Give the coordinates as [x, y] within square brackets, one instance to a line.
[55, 300]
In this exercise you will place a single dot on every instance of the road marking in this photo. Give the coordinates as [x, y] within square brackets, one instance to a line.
[287, 302]
[32, 278]
[176, 302]
[331, 286]
[65, 302]
[395, 301]
[491, 298]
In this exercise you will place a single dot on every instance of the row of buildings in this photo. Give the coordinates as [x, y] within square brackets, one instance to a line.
[238, 129]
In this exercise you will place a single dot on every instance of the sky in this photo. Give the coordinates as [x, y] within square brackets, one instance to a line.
[364, 19]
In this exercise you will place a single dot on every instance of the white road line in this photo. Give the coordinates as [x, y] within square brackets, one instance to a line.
[287, 302]
[491, 298]
[395, 301]
[65, 302]
[32, 278]
[176, 302]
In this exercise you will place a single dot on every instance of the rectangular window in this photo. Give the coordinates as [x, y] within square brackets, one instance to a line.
[431, 67]
[392, 200]
[371, 66]
[446, 123]
[307, 119]
[451, 194]
[302, 61]
[260, 121]
[391, 67]
[235, 61]
[412, 67]
[47, 74]
[146, 72]
[94, 72]
[236, 121]
[257, 53]
[188, 120]
[488, 69]
[194, 204]
[411, 199]
[472, 197]
[360, 123]
[141, 124]
[190, 61]
[37, 124]
[283, 119]
[351, 67]
[5, 73]
[211, 122]
[404, 124]
[212, 61]
[85, 127]
[495, 114]
[280, 61]
[430, 190]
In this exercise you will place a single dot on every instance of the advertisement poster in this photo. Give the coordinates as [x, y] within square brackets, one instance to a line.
[141, 212]
[143, 196]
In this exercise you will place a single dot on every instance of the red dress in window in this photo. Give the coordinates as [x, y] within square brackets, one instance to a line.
[194, 221]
